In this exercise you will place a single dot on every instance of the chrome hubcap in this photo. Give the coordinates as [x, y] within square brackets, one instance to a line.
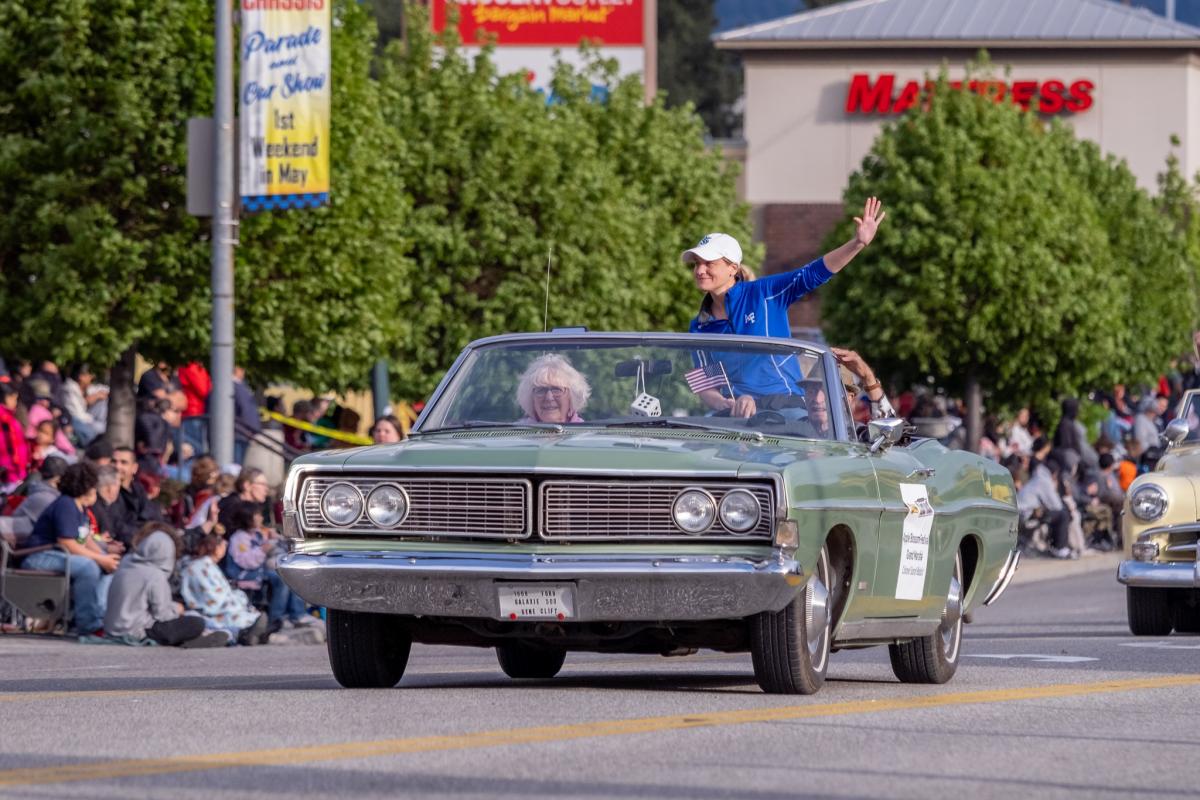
[951, 628]
[816, 618]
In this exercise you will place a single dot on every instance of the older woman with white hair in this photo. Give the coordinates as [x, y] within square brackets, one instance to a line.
[551, 390]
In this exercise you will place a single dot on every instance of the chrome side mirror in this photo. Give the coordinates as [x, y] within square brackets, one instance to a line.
[1177, 430]
[884, 432]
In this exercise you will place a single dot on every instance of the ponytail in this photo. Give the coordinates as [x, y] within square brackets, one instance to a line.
[744, 273]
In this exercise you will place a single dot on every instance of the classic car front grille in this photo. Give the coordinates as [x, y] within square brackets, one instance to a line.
[583, 510]
[467, 507]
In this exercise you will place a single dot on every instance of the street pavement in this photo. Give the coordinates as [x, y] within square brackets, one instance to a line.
[1054, 698]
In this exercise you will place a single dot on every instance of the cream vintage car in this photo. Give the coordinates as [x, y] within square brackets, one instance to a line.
[1161, 571]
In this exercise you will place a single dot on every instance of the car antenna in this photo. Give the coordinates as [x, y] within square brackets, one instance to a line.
[546, 311]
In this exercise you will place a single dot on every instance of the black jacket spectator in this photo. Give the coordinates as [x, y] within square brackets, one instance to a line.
[131, 511]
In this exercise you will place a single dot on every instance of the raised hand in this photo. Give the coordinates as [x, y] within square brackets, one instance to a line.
[866, 226]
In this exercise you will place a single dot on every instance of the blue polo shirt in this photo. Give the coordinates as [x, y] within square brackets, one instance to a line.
[759, 308]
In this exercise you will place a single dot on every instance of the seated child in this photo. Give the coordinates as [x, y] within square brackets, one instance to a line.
[139, 599]
[206, 591]
[249, 549]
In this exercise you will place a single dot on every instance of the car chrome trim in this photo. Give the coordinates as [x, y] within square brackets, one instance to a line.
[886, 629]
[444, 506]
[589, 506]
[1182, 548]
[1006, 575]
[1179, 527]
[608, 587]
[1170, 575]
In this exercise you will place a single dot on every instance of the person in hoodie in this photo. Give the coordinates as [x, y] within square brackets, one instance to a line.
[139, 600]
[38, 498]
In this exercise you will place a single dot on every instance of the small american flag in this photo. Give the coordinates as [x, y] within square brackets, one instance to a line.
[707, 377]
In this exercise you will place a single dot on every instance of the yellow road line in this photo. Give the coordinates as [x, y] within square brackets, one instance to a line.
[555, 733]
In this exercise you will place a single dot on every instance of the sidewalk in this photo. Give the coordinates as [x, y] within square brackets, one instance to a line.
[1037, 568]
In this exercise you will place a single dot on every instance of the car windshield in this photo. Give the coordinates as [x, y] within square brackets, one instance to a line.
[701, 383]
[1191, 412]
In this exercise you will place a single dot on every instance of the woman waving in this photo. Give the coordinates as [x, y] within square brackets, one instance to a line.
[734, 302]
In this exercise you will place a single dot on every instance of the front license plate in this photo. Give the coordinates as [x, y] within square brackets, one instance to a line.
[536, 600]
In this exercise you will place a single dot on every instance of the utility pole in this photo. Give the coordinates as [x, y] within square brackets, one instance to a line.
[224, 225]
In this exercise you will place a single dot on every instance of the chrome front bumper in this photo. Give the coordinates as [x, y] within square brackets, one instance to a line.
[1171, 575]
[608, 588]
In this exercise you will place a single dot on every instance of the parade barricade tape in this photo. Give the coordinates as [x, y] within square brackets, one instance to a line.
[329, 433]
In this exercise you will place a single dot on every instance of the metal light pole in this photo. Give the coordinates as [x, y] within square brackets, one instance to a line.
[220, 406]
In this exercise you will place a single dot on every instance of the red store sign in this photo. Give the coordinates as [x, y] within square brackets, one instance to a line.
[1048, 97]
[563, 23]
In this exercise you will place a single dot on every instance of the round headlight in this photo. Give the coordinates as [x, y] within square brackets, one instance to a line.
[694, 511]
[740, 511]
[1148, 503]
[387, 505]
[342, 504]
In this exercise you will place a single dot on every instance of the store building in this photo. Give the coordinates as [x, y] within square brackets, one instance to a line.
[820, 84]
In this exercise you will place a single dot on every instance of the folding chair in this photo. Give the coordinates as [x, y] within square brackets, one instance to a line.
[32, 594]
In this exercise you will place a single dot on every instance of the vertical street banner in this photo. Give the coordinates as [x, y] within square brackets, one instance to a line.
[283, 152]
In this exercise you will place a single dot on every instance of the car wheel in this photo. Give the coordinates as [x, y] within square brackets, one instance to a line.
[934, 659]
[366, 651]
[1187, 618]
[1149, 611]
[790, 648]
[521, 659]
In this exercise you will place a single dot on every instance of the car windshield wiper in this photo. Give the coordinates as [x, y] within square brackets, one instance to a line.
[669, 422]
[472, 425]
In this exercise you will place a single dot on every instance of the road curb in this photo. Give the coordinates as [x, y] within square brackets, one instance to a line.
[1034, 569]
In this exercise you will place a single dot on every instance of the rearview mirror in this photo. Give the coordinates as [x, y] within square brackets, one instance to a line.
[655, 366]
[884, 432]
[627, 368]
[1177, 430]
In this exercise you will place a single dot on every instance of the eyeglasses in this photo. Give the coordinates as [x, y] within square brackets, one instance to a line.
[549, 391]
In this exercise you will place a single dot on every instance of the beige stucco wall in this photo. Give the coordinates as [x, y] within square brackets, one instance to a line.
[802, 145]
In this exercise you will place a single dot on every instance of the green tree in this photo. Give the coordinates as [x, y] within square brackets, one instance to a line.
[1179, 200]
[320, 292]
[98, 257]
[97, 252]
[1011, 261]
[692, 70]
[499, 177]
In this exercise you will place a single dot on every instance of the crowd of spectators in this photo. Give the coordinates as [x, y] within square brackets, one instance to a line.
[1071, 480]
[162, 543]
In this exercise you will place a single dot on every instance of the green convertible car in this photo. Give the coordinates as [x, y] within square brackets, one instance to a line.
[625, 492]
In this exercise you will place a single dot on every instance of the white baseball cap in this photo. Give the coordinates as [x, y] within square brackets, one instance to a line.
[712, 247]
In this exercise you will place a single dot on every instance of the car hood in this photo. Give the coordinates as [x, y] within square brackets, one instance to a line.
[610, 452]
[1183, 460]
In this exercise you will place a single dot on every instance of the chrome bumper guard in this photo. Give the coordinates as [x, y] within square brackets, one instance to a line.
[1171, 575]
[1006, 575]
[608, 588]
